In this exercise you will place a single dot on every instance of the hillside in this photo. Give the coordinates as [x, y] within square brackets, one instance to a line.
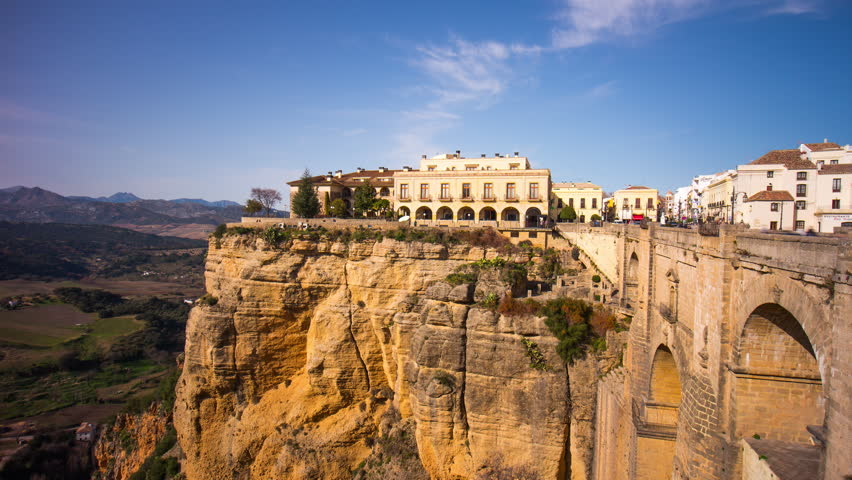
[22, 204]
[63, 251]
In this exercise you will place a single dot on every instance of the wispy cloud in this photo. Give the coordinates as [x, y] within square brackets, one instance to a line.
[795, 7]
[602, 90]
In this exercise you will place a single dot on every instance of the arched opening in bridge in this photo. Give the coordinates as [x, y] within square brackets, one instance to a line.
[633, 268]
[657, 434]
[778, 389]
[424, 213]
[444, 213]
[487, 214]
[465, 213]
[510, 214]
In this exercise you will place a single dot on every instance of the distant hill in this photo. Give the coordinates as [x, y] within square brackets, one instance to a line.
[22, 204]
[57, 250]
[218, 203]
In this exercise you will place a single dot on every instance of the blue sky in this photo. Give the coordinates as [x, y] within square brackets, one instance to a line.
[209, 99]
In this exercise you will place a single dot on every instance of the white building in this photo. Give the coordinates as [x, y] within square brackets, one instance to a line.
[795, 173]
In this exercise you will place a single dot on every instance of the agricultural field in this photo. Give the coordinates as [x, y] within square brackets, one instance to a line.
[127, 288]
[42, 325]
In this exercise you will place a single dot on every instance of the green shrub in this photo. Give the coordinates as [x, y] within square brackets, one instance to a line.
[537, 360]
[208, 300]
[596, 278]
[220, 231]
[491, 301]
[460, 278]
[567, 319]
[597, 298]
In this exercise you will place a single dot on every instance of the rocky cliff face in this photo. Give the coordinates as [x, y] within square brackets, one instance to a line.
[314, 352]
[124, 447]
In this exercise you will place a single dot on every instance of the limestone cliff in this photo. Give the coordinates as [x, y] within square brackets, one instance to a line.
[313, 351]
[124, 446]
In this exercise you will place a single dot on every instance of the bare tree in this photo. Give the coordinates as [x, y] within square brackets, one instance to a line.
[267, 197]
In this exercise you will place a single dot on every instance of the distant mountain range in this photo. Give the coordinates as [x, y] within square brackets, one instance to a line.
[23, 204]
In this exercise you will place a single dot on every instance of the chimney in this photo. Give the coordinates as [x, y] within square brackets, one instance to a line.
[516, 153]
[338, 173]
[382, 169]
[423, 157]
[458, 153]
[407, 168]
[328, 177]
[483, 155]
[497, 155]
[359, 169]
[824, 140]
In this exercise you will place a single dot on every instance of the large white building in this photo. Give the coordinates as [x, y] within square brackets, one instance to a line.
[811, 186]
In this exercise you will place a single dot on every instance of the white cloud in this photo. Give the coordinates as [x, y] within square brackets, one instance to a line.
[795, 7]
[602, 90]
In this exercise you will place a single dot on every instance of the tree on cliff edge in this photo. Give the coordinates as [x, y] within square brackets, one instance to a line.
[305, 203]
[267, 197]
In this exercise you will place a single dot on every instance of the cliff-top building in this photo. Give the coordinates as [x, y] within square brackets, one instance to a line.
[332, 186]
[636, 203]
[505, 192]
[586, 199]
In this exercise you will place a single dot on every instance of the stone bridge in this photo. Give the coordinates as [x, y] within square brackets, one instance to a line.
[739, 358]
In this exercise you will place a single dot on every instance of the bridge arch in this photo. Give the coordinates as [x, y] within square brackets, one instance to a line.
[778, 385]
[657, 435]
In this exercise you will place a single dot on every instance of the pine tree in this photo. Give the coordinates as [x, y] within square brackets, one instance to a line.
[305, 203]
[365, 195]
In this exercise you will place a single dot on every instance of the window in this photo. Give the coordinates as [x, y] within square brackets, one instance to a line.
[582, 203]
[835, 204]
[470, 168]
[800, 224]
[515, 234]
[770, 174]
[638, 203]
[625, 203]
[820, 163]
[559, 204]
[488, 191]
[403, 190]
[801, 190]
[534, 190]
[510, 191]
[582, 219]
[445, 190]
[801, 175]
[594, 203]
[773, 225]
[533, 235]
[571, 202]
[835, 184]
[424, 191]
[834, 162]
[800, 205]
[431, 168]
[650, 203]
[773, 207]
[769, 188]
[513, 166]
[465, 190]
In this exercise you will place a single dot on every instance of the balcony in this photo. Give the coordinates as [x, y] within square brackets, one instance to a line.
[445, 199]
[466, 199]
[534, 198]
[489, 198]
[405, 198]
[427, 198]
[511, 198]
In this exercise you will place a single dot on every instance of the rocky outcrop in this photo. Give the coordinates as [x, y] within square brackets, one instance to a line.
[125, 445]
[310, 351]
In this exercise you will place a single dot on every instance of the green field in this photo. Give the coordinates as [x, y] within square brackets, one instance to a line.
[42, 325]
[105, 329]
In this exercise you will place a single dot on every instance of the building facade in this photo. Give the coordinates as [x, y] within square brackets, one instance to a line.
[339, 185]
[449, 189]
[717, 198]
[814, 175]
[586, 199]
[636, 203]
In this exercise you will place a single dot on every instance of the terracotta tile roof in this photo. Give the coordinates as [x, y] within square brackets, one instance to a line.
[791, 159]
[638, 187]
[771, 196]
[353, 179]
[838, 169]
[821, 147]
